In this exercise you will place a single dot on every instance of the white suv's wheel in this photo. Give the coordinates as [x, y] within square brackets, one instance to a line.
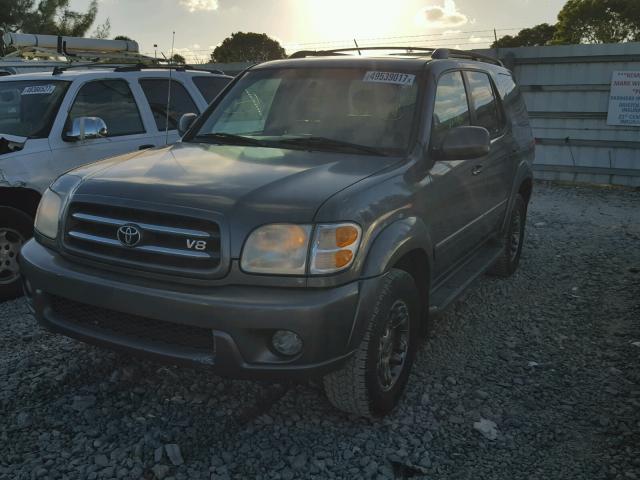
[16, 228]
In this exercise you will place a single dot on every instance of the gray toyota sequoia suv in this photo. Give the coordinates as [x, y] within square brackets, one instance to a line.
[308, 223]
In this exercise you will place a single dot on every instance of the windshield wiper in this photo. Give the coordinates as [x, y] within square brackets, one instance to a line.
[324, 143]
[229, 139]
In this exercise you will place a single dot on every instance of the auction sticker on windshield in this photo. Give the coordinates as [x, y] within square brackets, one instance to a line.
[395, 78]
[39, 90]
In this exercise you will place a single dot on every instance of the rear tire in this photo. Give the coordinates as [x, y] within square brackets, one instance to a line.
[373, 380]
[508, 262]
[16, 227]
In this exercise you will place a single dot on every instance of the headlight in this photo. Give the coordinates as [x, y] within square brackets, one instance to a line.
[334, 248]
[282, 249]
[279, 249]
[48, 215]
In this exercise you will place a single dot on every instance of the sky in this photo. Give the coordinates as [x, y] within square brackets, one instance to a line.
[200, 25]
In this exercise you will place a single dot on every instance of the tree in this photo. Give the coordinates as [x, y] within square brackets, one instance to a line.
[51, 17]
[123, 37]
[177, 58]
[598, 21]
[248, 47]
[103, 31]
[539, 35]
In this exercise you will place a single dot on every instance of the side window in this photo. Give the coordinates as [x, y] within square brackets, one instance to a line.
[113, 102]
[484, 101]
[451, 108]
[157, 93]
[210, 87]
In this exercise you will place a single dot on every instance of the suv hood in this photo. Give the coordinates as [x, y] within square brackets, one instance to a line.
[258, 185]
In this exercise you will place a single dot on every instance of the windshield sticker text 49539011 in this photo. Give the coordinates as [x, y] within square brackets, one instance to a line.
[395, 78]
[39, 90]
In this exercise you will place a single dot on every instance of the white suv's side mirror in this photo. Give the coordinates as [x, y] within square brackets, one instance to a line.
[86, 128]
[185, 122]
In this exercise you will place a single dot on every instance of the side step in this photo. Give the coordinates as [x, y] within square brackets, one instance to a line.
[452, 287]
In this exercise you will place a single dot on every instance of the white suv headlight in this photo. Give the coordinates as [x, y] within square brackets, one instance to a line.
[48, 215]
[279, 249]
[334, 247]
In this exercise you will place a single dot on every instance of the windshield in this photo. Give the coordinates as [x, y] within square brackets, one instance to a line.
[28, 107]
[317, 109]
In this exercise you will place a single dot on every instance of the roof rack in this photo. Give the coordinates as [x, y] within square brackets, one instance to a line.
[28, 47]
[434, 53]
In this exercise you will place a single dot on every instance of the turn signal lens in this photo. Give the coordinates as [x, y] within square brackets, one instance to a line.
[346, 235]
[334, 248]
[343, 258]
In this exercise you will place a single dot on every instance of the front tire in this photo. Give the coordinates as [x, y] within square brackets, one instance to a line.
[16, 228]
[373, 380]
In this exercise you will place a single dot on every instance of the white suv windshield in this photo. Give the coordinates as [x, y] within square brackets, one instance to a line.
[29, 107]
[359, 107]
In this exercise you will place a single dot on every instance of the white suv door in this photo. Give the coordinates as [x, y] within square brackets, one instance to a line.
[112, 100]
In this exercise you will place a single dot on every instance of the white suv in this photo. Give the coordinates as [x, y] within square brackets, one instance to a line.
[53, 122]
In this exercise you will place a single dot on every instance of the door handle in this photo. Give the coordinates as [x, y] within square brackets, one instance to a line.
[144, 147]
[477, 170]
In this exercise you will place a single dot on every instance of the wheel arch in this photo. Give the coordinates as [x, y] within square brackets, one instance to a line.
[24, 199]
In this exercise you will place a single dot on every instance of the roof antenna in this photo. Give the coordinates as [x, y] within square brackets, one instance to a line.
[359, 52]
[173, 41]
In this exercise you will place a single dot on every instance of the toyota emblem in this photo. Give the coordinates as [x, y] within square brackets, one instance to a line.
[129, 235]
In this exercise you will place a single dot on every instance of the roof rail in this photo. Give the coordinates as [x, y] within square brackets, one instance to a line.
[435, 53]
[446, 53]
[135, 67]
[342, 51]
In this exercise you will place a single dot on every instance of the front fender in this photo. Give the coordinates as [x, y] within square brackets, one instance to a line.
[392, 243]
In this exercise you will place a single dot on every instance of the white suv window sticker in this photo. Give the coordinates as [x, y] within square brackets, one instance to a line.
[39, 90]
[395, 78]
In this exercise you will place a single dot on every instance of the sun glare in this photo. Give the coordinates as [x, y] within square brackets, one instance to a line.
[347, 19]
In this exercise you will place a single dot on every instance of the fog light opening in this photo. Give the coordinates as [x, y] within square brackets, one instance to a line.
[286, 343]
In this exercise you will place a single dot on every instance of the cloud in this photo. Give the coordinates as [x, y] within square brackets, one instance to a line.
[199, 5]
[445, 16]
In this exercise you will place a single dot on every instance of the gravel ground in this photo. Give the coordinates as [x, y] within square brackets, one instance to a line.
[549, 356]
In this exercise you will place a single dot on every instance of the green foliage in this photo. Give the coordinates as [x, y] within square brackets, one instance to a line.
[539, 35]
[248, 47]
[177, 58]
[599, 21]
[103, 31]
[52, 17]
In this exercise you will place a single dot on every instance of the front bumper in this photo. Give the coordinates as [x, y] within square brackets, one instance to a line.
[226, 328]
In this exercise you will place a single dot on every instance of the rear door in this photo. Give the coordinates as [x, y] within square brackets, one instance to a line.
[493, 172]
[180, 101]
[112, 100]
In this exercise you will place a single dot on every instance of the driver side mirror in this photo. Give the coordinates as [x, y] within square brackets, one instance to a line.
[185, 122]
[86, 128]
[464, 143]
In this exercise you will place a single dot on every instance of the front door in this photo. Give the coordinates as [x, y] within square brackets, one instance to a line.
[494, 171]
[112, 101]
[454, 206]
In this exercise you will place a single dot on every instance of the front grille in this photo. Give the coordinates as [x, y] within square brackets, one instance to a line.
[132, 326]
[168, 243]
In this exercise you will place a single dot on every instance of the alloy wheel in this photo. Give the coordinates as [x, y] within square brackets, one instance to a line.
[394, 346]
[10, 243]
